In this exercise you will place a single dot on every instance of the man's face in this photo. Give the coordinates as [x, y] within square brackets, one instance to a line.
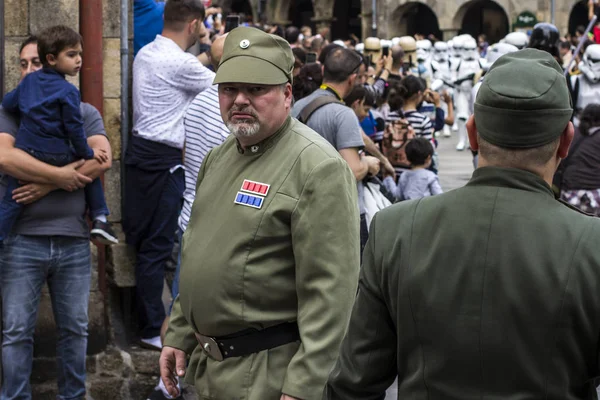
[29, 60]
[249, 109]
[362, 75]
[68, 61]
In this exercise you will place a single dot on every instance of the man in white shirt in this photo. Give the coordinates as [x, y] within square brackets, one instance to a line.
[204, 130]
[165, 81]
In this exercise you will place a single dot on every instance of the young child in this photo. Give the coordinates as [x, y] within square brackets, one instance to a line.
[51, 125]
[419, 181]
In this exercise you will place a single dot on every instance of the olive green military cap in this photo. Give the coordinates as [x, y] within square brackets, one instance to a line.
[523, 101]
[253, 56]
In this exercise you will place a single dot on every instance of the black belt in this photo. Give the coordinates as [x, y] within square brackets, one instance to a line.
[248, 341]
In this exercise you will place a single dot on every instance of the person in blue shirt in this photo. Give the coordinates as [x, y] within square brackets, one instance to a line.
[51, 127]
[147, 22]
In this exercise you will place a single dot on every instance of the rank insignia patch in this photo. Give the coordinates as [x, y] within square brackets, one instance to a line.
[249, 200]
[258, 188]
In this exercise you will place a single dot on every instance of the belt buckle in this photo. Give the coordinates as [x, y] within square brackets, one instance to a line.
[210, 347]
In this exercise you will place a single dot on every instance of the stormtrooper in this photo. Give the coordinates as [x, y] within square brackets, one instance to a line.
[585, 88]
[409, 45]
[440, 61]
[518, 39]
[424, 59]
[495, 51]
[468, 67]
[442, 74]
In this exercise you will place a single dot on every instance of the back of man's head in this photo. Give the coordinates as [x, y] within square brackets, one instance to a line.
[397, 57]
[179, 13]
[292, 34]
[340, 64]
[520, 121]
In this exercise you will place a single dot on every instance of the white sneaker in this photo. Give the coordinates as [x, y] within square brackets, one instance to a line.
[152, 343]
[460, 146]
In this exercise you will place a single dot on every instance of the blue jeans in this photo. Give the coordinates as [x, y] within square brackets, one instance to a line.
[26, 263]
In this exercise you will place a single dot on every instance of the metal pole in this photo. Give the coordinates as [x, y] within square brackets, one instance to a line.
[374, 17]
[124, 91]
[553, 12]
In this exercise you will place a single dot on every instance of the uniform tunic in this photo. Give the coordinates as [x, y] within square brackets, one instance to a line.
[294, 259]
[485, 292]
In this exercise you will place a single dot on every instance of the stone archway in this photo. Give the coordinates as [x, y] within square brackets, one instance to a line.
[348, 20]
[578, 16]
[482, 16]
[301, 13]
[414, 18]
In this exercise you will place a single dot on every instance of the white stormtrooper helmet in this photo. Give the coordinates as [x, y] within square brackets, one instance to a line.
[360, 47]
[423, 50]
[518, 39]
[496, 51]
[440, 52]
[340, 43]
[457, 47]
[590, 65]
[470, 50]
[386, 43]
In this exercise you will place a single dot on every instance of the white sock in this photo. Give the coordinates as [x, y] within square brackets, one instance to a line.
[101, 218]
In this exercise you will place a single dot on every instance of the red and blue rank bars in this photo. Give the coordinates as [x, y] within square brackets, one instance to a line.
[252, 194]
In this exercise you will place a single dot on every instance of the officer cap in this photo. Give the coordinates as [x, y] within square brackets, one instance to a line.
[524, 101]
[253, 56]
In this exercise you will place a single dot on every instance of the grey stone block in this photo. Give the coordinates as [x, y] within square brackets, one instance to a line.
[46, 13]
[121, 262]
[16, 18]
[12, 71]
[112, 192]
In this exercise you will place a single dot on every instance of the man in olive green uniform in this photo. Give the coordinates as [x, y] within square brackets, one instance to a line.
[489, 291]
[271, 254]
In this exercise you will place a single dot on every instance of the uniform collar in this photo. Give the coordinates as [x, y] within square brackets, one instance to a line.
[510, 178]
[261, 147]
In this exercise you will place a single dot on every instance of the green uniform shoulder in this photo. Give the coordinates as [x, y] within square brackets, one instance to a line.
[311, 139]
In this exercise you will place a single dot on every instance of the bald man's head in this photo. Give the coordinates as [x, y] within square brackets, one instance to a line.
[397, 57]
[216, 51]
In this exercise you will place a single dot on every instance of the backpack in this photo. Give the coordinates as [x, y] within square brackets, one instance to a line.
[314, 105]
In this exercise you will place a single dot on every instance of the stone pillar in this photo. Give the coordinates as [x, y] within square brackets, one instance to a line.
[323, 14]
[278, 12]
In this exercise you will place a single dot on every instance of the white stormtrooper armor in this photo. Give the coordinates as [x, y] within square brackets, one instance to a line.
[463, 85]
[440, 63]
[441, 73]
[360, 47]
[518, 39]
[424, 59]
[585, 88]
[456, 54]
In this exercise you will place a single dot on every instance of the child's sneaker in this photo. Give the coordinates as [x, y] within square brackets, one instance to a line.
[102, 233]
